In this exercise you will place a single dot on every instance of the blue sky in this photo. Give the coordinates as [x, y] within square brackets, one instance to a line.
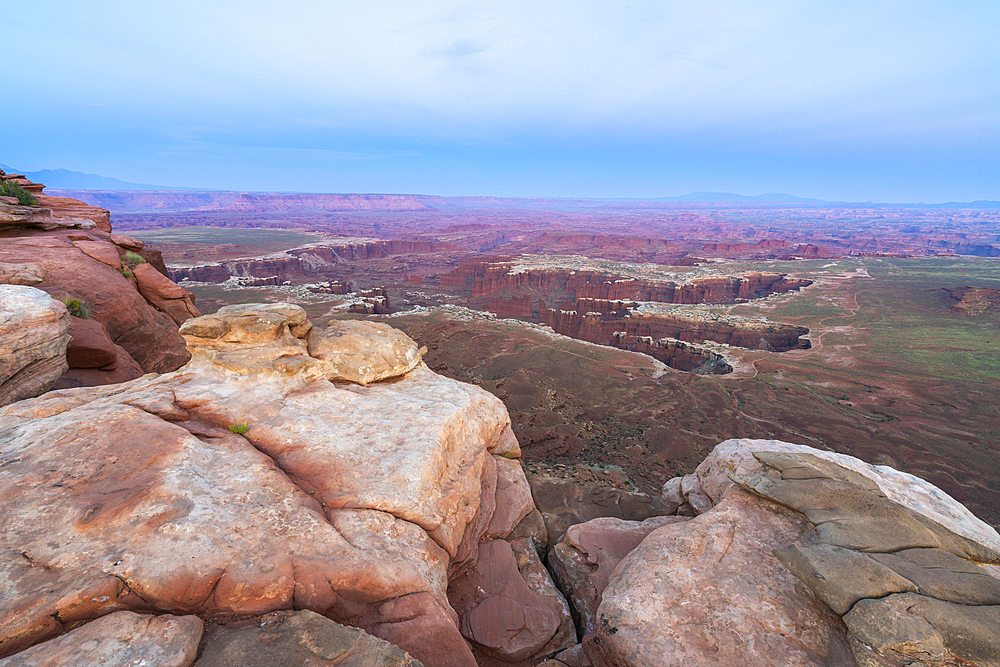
[883, 101]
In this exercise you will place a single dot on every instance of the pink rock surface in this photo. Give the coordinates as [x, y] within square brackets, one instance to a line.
[709, 591]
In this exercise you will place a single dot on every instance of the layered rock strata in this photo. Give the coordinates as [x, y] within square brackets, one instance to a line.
[33, 338]
[261, 478]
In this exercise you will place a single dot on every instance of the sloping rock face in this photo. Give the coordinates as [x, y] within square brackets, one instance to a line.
[787, 540]
[122, 638]
[66, 248]
[33, 339]
[248, 482]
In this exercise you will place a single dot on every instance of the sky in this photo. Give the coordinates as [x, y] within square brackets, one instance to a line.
[846, 101]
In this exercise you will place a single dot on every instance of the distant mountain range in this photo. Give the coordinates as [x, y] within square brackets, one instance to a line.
[64, 179]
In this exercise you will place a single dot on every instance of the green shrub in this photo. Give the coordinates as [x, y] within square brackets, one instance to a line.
[12, 189]
[76, 307]
[133, 258]
[239, 429]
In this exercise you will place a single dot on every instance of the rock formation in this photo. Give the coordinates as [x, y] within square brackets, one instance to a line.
[261, 478]
[66, 248]
[33, 339]
[789, 538]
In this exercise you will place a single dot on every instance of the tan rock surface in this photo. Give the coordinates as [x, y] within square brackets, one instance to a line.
[364, 352]
[33, 339]
[736, 456]
[686, 596]
[118, 640]
[21, 274]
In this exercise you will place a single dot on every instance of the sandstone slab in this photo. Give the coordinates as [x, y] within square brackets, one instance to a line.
[164, 294]
[500, 614]
[33, 340]
[118, 640]
[300, 638]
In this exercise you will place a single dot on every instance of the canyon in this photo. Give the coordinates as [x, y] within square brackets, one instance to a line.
[427, 460]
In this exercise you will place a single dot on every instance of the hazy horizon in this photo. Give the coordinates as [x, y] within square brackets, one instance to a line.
[852, 102]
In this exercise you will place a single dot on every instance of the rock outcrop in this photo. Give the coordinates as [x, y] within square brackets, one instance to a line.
[33, 337]
[787, 540]
[66, 248]
[258, 479]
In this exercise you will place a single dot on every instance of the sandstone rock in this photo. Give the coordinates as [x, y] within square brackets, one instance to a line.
[298, 324]
[853, 516]
[584, 560]
[21, 274]
[123, 369]
[499, 613]
[150, 337]
[349, 500]
[164, 294]
[574, 656]
[513, 495]
[539, 580]
[33, 339]
[101, 251]
[122, 638]
[841, 577]
[685, 596]
[299, 638]
[127, 242]
[736, 456]
[363, 352]
[908, 628]
[90, 346]
[939, 574]
[564, 503]
[532, 527]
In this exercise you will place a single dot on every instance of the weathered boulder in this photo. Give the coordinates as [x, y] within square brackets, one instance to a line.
[164, 294]
[513, 498]
[33, 339]
[709, 591]
[501, 614]
[587, 555]
[246, 483]
[736, 456]
[299, 638]
[364, 352]
[21, 274]
[119, 639]
[909, 588]
[90, 347]
[564, 502]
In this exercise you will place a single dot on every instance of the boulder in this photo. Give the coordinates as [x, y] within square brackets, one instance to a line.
[119, 639]
[500, 614]
[364, 352]
[737, 457]
[513, 498]
[299, 638]
[587, 555]
[164, 294]
[33, 340]
[709, 591]
[247, 483]
[564, 502]
[90, 347]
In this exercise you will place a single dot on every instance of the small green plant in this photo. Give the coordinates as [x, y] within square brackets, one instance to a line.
[133, 258]
[76, 307]
[239, 429]
[12, 189]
